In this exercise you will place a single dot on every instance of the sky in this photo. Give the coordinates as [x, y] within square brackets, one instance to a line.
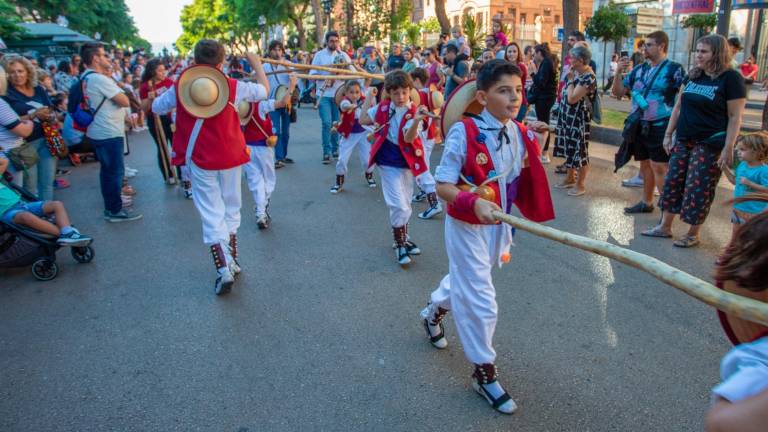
[157, 20]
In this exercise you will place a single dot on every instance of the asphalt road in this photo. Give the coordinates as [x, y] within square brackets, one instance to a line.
[322, 330]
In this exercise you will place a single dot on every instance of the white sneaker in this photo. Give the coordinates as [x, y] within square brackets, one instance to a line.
[172, 181]
[431, 212]
[635, 181]
[129, 174]
[224, 281]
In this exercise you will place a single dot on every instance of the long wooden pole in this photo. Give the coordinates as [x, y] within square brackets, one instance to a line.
[323, 68]
[742, 307]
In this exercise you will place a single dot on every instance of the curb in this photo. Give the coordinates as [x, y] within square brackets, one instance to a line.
[605, 135]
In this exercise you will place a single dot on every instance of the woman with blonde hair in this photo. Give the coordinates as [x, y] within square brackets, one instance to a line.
[706, 119]
[13, 130]
[31, 102]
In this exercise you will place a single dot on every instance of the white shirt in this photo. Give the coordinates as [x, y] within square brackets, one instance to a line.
[395, 117]
[326, 58]
[509, 157]
[744, 371]
[110, 120]
[245, 91]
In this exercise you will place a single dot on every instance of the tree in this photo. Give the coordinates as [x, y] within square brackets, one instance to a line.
[609, 23]
[9, 21]
[442, 17]
[473, 34]
[702, 22]
[431, 25]
[413, 34]
[570, 22]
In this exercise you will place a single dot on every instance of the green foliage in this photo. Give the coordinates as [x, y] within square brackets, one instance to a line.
[9, 21]
[431, 25]
[413, 34]
[609, 23]
[111, 18]
[398, 20]
[700, 21]
[473, 34]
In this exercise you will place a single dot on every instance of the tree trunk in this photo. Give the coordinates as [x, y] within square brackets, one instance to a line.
[350, 12]
[317, 11]
[392, 24]
[570, 23]
[765, 115]
[442, 17]
[605, 60]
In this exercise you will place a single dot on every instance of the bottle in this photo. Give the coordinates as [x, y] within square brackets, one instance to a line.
[639, 100]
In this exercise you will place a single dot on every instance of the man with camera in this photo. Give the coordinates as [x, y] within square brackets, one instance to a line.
[653, 84]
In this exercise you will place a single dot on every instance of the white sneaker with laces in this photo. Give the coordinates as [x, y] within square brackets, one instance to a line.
[635, 181]
[431, 212]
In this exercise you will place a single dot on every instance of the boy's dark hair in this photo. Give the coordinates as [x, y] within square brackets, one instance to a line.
[421, 75]
[745, 260]
[331, 33]
[275, 44]
[397, 79]
[88, 51]
[352, 83]
[543, 49]
[451, 48]
[490, 73]
[578, 35]
[209, 51]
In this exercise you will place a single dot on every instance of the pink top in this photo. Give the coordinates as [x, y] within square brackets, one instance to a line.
[501, 37]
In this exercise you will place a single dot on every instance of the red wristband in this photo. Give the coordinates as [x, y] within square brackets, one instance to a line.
[465, 202]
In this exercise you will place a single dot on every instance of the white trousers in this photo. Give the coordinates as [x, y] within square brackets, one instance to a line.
[217, 197]
[467, 289]
[185, 173]
[347, 146]
[426, 182]
[397, 185]
[260, 172]
[429, 145]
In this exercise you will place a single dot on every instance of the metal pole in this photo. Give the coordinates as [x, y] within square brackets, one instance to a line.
[724, 18]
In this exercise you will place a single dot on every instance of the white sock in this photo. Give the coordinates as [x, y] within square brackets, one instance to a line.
[494, 389]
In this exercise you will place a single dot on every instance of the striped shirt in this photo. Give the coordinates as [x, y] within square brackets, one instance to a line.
[8, 120]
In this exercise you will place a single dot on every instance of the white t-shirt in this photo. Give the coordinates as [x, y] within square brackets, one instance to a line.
[109, 121]
[396, 116]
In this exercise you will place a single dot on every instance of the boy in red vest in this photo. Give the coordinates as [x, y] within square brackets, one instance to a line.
[214, 150]
[494, 147]
[398, 152]
[426, 181]
[353, 134]
[260, 138]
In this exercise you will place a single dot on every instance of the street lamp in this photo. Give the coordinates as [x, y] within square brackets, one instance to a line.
[262, 25]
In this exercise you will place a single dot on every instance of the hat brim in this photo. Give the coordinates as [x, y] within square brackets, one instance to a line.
[244, 119]
[740, 330]
[280, 92]
[188, 76]
[339, 95]
[461, 100]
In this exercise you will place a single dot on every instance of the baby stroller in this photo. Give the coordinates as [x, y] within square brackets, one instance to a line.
[21, 246]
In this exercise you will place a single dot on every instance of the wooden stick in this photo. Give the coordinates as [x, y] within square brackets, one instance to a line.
[282, 71]
[323, 68]
[328, 77]
[742, 307]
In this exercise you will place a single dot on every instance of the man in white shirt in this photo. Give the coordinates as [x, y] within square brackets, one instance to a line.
[107, 131]
[329, 112]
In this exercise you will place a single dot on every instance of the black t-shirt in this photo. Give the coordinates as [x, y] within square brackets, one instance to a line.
[704, 108]
[22, 104]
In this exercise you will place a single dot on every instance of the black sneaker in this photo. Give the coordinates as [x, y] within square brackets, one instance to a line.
[262, 222]
[288, 160]
[640, 207]
[336, 155]
[411, 248]
[121, 216]
[326, 159]
[74, 239]
[279, 164]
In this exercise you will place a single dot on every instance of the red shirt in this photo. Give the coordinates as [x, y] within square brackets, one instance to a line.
[159, 87]
[748, 69]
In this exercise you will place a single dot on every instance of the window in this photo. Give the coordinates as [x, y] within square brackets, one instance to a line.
[523, 18]
[455, 20]
[557, 19]
[547, 11]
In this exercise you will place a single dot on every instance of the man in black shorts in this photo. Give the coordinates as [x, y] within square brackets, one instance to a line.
[653, 84]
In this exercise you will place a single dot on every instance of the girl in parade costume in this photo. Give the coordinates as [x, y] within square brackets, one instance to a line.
[426, 181]
[502, 156]
[209, 141]
[740, 401]
[260, 138]
[353, 134]
[398, 152]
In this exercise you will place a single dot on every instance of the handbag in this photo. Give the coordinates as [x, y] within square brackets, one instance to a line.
[24, 156]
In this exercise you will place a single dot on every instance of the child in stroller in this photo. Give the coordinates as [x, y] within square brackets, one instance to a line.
[28, 237]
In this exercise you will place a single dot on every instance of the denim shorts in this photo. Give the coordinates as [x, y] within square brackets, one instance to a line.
[36, 208]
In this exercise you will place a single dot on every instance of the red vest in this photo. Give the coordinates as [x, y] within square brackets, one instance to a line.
[413, 153]
[430, 124]
[220, 144]
[252, 132]
[533, 197]
[347, 120]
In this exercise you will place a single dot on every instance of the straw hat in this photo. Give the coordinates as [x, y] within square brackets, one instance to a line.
[461, 101]
[203, 91]
[739, 330]
[435, 98]
[280, 92]
[244, 111]
[339, 94]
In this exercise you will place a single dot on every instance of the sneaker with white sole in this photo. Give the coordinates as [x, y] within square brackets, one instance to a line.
[121, 216]
[370, 180]
[262, 222]
[486, 384]
[74, 239]
[431, 212]
[401, 254]
[431, 319]
[224, 281]
[635, 181]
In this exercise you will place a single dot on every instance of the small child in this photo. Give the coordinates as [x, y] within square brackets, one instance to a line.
[399, 154]
[751, 176]
[353, 134]
[426, 181]
[497, 33]
[500, 155]
[740, 401]
[29, 214]
[260, 171]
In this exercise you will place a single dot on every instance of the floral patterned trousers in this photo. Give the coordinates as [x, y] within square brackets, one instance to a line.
[689, 187]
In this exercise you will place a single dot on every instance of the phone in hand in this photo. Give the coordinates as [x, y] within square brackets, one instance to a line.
[624, 54]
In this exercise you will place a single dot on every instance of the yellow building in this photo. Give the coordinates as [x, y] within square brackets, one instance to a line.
[527, 21]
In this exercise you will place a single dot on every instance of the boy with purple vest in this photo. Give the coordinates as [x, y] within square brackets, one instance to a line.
[501, 157]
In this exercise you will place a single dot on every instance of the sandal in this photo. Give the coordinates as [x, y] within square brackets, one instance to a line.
[577, 192]
[561, 169]
[656, 231]
[686, 241]
[565, 185]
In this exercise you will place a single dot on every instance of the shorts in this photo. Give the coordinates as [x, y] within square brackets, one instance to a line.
[36, 208]
[651, 144]
[739, 217]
